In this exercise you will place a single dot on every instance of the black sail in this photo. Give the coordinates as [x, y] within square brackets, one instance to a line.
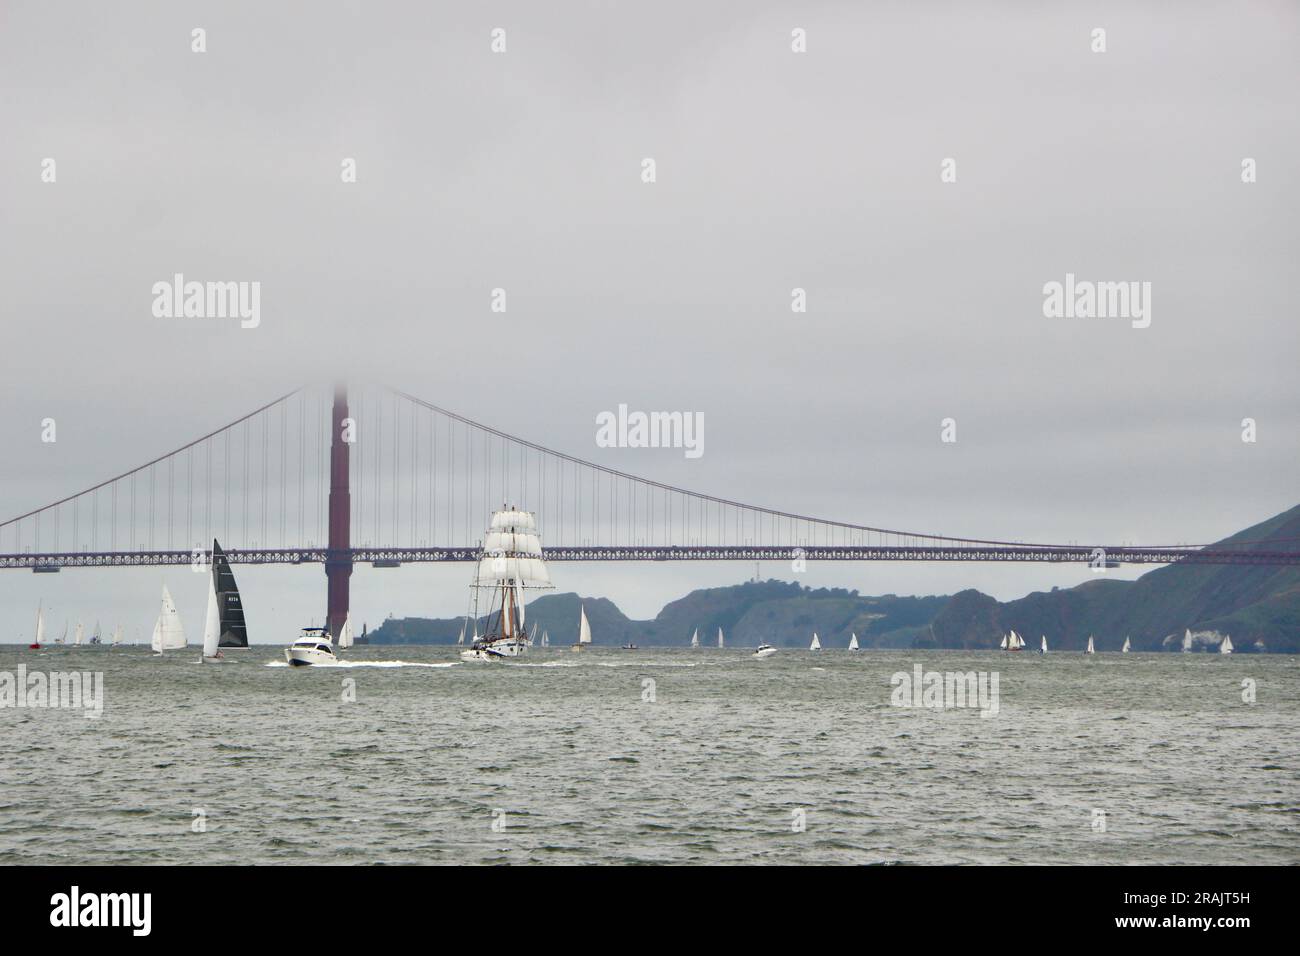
[229, 606]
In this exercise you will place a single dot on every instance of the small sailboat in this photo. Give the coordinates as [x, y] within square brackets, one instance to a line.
[117, 636]
[584, 629]
[211, 628]
[1090, 649]
[765, 650]
[1042, 648]
[168, 632]
[94, 638]
[1187, 641]
[546, 638]
[76, 638]
[40, 628]
[853, 642]
[62, 638]
[346, 638]
[695, 638]
[1013, 642]
[1128, 645]
[1226, 646]
[313, 646]
[816, 644]
[230, 607]
[721, 643]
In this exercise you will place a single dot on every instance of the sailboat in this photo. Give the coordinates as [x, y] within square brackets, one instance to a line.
[62, 638]
[460, 641]
[168, 632]
[695, 638]
[1042, 648]
[546, 639]
[117, 636]
[40, 628]
[1090, 649]
[1128, 645]
[584, 629]
[346, 638]
[211, 627]
[1226, 646]
[1013, 642]
[510, 563]
[94, 638]
[816, 644]
[1187, 641]
[230, 608]
[853, 642]
[721, 643]
[76, 638]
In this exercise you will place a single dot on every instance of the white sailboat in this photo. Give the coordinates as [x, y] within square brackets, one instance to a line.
[168, 632]
[509, 564]
[117, 636]
[1042, 648]
[1012, 642]
[853, 642]
[460, 641]
[1187, 641]
[1090, 649]
[695, 638]
[584, 629]
[212, 628]
[1128, 645]
[721, 642]
[346, 637]
[1226, 646]
[40, 628]
[546, 639]
[76, 637]
[816, 644]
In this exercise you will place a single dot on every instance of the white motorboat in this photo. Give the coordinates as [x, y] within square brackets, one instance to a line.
[765, 650]
[313, 646]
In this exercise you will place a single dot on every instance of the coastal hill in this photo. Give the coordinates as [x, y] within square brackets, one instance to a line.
[1258, 605]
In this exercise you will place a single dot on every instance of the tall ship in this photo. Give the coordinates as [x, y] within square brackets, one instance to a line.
[509, 564]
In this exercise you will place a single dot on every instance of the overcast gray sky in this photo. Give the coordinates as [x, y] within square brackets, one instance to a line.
[775, 170]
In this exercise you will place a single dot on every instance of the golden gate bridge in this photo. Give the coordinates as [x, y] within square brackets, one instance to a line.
[381, 477]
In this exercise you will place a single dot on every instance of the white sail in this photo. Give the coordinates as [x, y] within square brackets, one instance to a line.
[695, 638]
[346, 637]
[1091, 649]
[1226, 646]
[168, 632]
[1016, 641]
[40, 625]
[721, 642]
[1003, 645]
[460, 641]
[1187, 640]
[546, 639]
[853, 642]
[584, 629]
[513, 521]
[1043, 647]
[76, 637]
[117, 635]
[212, 622]
[1128, 645]
[816, 644]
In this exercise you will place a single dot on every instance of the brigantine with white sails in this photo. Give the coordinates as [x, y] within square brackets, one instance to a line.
[509, 564]
[168, 632]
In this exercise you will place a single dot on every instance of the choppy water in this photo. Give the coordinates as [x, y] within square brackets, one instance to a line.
[580, 768]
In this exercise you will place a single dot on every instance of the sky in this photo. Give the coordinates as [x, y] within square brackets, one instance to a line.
[775, 170]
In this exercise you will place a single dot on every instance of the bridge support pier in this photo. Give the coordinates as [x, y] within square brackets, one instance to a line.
[338, 555]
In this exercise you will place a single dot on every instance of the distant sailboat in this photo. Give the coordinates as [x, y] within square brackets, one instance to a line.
[1013, 642]
[117, 636]
[212, 627]
[721, 642]
[1187, 641]
[40, 628]
[1226, 646]
[816, 644]
[1128, 646]
[695, 638]
[1042, 648]
[230, 608]
[94, 637]
[1090, 648]
[168, 632]
[460, 641]
[346, 638]
[76, 638]
[62, 638]
[584, 629]
[853, 642]
[546, 639]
